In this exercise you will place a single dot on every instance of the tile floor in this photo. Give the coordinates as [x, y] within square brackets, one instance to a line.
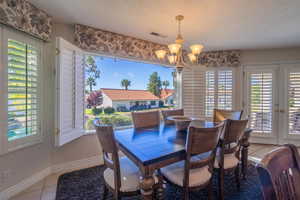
[46, 189]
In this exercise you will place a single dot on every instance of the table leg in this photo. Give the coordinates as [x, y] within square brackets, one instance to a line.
[245, 161]
[146, 186]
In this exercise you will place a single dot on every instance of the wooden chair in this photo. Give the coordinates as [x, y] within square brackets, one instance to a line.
[195, 172]
[220, 115]
[229, 151]
[145, 119]
[122, 176]
[173, 112]
[279, 173]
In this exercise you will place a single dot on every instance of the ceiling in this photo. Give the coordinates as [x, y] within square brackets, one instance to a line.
[219, 25]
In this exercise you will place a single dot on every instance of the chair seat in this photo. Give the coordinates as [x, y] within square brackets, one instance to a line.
[130, 176]
[230, 161]
[175, 174]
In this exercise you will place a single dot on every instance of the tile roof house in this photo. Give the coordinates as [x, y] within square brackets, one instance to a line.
[129, 98]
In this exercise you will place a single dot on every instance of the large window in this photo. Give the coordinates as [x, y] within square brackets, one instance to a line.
[115, 87]
[20, 75]
[219, 93]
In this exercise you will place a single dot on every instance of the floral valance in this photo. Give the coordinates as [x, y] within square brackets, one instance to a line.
[109, 43]
[22, 15]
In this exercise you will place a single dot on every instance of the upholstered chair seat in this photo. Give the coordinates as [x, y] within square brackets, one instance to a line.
[175, 173]
[129, 174]
[230, 161]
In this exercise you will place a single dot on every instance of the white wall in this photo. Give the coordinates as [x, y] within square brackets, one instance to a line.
[107, 102]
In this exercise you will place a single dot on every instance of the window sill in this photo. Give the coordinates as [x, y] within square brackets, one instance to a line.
[21, 144]
[90, 132]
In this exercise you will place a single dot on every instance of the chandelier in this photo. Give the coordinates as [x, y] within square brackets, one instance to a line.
[175, 53]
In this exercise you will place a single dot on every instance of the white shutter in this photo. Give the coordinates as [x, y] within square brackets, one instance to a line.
[70, 92]
[294, 102]
[261, 101]
[225, 82]
[209, 93]
[193, 87]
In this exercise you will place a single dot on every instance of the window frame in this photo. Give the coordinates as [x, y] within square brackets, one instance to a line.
[13, 145]
[216, 86]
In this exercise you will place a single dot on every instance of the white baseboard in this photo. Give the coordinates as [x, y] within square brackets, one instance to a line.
[77, 164]
[24, 184]
[59, 168]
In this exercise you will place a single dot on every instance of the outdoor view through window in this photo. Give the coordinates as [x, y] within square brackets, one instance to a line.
[115, 87]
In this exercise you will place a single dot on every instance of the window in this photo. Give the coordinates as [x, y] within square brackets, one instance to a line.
[261, 101]
[122, 86]
[20, 88]
[219, 94]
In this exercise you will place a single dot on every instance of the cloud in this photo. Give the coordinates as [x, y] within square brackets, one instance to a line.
[131, 75]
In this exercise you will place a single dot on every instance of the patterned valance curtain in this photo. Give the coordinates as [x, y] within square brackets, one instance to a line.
[22, 15]
[109, 43]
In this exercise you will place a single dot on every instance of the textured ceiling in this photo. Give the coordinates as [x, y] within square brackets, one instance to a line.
[219, 25]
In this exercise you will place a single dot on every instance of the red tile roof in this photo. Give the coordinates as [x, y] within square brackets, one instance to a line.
[132, 95]
[165, 93]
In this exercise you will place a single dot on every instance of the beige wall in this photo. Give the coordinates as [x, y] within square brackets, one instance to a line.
[27, 161]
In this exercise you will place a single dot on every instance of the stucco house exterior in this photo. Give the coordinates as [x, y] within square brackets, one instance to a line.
[167, 96]
[117, 98]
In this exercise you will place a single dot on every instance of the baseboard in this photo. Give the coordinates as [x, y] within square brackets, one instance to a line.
[59, 168]
[77, 164]
[24, 184]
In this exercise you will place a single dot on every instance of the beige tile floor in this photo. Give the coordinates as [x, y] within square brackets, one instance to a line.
[46, 189]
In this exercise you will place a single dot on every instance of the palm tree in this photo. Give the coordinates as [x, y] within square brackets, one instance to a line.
[125, 83]
[166, 84]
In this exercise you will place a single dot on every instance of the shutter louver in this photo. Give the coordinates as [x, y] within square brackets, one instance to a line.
[261, 102]
[210, 93]
[225, 90]
[294, 102]
[22, 90]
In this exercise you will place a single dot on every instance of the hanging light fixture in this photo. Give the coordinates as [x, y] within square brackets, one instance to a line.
[174, 55]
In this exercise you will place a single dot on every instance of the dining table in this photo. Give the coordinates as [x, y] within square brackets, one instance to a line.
[156, 147]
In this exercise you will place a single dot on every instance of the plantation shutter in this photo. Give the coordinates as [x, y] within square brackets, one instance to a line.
[294, 102]
[193, 88]
[209, 93]
[225, 84]
[70, 92]
[260, 101]
[22, 85]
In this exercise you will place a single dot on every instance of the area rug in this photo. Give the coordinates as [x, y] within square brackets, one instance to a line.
[87, 184]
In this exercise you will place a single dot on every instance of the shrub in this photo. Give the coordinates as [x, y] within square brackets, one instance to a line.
[109, 110]
[96, 111]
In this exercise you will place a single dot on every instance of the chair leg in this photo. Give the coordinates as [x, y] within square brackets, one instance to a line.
[221, 183]
[237, 176]
[186, 193]
[105, 191]
[210, 190]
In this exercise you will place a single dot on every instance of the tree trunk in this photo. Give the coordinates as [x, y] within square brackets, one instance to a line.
[91, 87]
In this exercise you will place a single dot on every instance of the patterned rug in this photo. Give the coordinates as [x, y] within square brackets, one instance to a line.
[87, 184]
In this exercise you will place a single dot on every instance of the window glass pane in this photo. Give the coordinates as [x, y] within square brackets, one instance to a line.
[22, 90]
[225, 90]
[261, 102]
[294, 102]
[210, 93]
[114, 88]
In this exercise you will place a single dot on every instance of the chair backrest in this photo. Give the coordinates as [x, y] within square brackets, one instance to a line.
[106, 138]
[173, 112]
[233, 130]
[195, 145]
[220, 115]
[145, 119]
[279, 173]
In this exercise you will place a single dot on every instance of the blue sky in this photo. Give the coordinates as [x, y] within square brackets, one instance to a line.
[113, 71]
